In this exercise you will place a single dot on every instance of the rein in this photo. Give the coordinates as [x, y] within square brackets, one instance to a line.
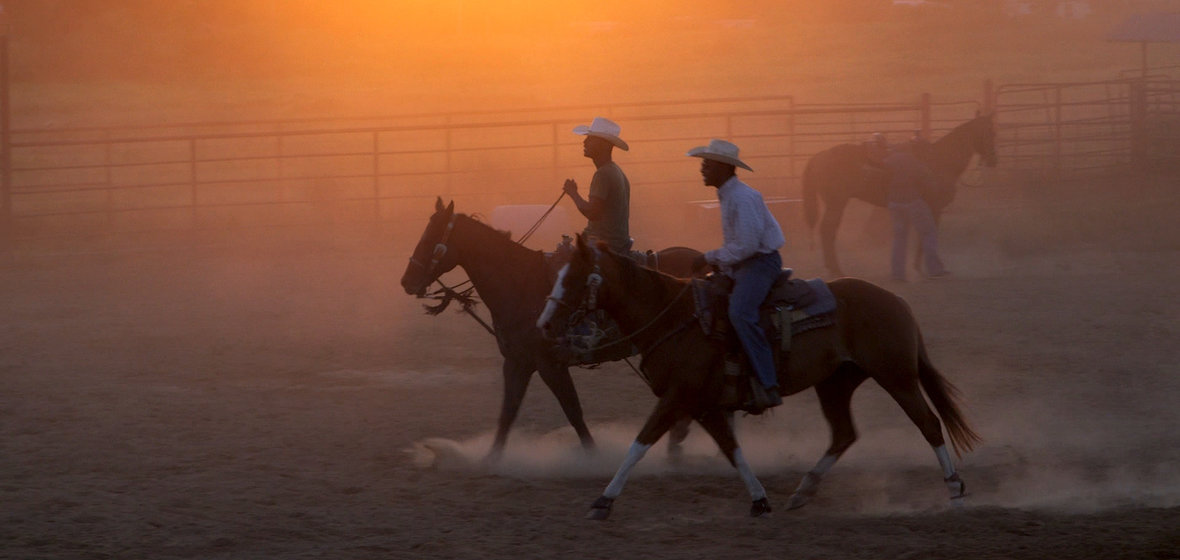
[465, 298]
[540, 220]
[594, 281]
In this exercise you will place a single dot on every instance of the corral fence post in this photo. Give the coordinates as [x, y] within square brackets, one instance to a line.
[1137, 113]
[989, 97]
[6, 223]
[924, 116]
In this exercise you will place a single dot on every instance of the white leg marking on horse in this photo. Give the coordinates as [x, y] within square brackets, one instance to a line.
[757, 492]
[944, 459]
[634, 454]
[824, 465]
[557, 293]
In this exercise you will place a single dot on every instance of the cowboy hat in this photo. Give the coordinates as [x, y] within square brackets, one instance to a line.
[602, 128]
[719, 150]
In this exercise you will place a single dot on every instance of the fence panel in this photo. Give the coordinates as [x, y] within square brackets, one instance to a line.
[1058, 130]
[230, 175]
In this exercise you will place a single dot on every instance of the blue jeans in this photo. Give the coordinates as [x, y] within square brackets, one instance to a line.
[916, 214]
[752, 280]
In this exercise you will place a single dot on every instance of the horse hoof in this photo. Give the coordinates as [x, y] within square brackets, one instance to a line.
[797, 501]
[760, 508]
[600, 510]
[597, 514]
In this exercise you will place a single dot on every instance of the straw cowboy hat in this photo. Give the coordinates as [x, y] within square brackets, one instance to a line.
[719, 150]
[602, 128]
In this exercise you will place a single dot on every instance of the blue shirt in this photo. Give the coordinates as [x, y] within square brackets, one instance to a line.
[747, 225]
[910, 178]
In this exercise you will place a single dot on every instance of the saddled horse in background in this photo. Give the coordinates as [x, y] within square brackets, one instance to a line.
[512, 281]
[839, 174]
[874, 336]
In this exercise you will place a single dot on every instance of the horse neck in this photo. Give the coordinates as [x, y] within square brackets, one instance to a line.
[500, 270]
[641, 295]
[953, 152]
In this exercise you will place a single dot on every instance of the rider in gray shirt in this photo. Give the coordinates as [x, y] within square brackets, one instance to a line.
[608, 207]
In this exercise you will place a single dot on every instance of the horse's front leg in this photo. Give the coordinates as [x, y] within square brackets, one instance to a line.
[516, 380]
[720, 425]
[665, 415]
[557, 378]
[920, 253]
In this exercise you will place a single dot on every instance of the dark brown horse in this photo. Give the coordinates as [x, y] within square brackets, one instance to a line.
[874, 336]
[840, 173]
[512, 281]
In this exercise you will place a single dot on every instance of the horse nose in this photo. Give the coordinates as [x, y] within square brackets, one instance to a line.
[411, 289]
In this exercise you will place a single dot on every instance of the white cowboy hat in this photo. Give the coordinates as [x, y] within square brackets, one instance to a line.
[719, 150]
[602, 128]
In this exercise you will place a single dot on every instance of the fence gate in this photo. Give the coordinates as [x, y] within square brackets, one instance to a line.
[1060, 129]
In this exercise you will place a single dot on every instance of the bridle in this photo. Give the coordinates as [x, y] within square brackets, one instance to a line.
[440, 251]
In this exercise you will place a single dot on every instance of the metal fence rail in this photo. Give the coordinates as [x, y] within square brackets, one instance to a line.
[1062, 129]
[228, 175]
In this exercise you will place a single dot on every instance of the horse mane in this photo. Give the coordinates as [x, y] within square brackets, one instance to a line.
[477, 220]
[632, 274]
[962, 129]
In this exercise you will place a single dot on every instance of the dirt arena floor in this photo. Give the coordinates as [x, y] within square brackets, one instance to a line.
[287, 400]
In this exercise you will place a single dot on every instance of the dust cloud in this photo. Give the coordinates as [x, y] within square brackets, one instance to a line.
[267, 392]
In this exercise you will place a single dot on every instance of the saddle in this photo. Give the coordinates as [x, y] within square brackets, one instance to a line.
[792, 306]
[800, 304]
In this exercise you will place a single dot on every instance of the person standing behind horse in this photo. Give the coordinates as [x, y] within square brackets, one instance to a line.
[749, 255]
[909, 178]
[608, 207]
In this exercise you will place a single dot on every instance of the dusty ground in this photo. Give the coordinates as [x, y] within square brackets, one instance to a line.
[266, 400]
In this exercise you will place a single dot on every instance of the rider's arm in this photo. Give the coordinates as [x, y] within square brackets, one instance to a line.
[592, 208]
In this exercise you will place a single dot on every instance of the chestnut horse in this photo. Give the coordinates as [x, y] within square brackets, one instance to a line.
[512, 281]
[838, 174]
[874, 336]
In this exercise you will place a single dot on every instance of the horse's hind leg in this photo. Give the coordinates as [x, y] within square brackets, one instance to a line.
[676, 437]
[835, 398]
[828, 226]
[557, 378]
[720, 426]
[909, 396]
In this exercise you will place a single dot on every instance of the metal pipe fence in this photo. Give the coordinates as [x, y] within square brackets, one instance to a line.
[1058, 130]
[217, 176]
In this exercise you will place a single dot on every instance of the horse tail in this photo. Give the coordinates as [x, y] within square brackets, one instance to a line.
[945, 398]
[810, 193]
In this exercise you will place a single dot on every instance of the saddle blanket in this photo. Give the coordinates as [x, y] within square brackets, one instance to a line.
[804, 304]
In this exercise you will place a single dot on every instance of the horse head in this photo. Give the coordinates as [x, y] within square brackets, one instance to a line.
[983, 138]
[578, 290]
[432, 257]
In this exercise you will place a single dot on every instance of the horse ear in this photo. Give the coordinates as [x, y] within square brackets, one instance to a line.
[583, 248]
[438, 207]
[451, 207]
